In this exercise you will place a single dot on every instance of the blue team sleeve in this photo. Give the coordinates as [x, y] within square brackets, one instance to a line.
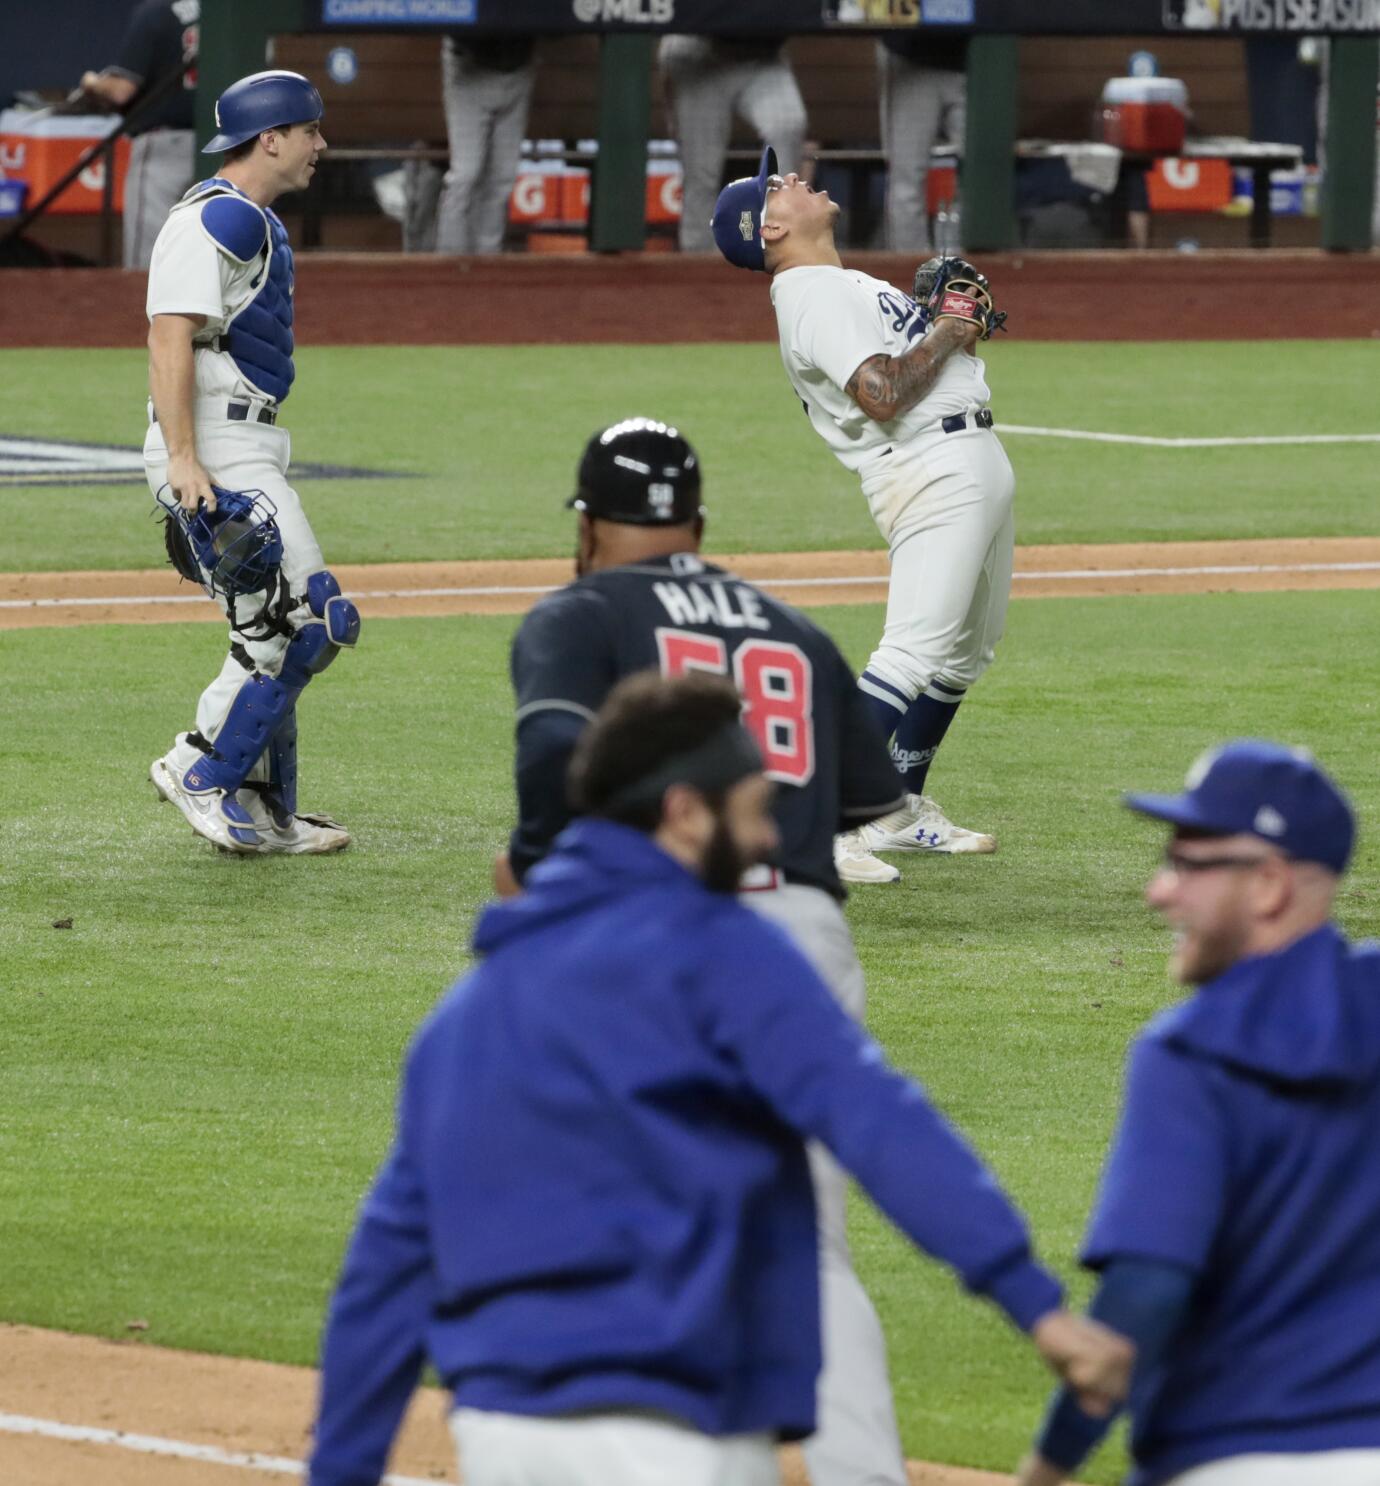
[373, 1349]
[828, 1080]
[1166, 1179]
[1146, 1300]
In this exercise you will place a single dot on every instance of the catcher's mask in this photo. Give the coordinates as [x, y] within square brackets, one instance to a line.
[238, 545]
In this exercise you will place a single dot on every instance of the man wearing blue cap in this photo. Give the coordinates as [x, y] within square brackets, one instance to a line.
[1237, 1231]
[894, 389]
[219, 305]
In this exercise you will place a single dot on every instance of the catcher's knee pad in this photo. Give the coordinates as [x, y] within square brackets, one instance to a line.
[337, 613]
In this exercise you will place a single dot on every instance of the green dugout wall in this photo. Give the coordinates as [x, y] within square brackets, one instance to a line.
[236, 38]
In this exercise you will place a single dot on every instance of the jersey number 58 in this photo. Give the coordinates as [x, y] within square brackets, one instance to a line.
[776, 684]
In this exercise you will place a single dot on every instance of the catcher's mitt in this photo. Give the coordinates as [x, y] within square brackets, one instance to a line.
[952, 288]
[179, 549]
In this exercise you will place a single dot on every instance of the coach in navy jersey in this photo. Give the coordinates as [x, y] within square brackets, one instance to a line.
[645, 600]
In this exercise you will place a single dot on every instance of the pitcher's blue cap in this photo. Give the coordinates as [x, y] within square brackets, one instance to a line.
[1262, 789]
[738, 216]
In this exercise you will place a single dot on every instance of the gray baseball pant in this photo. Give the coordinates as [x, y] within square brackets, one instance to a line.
[486, 117]
[856, 1441]
[915, 102]
[705, 94]
[162, 166]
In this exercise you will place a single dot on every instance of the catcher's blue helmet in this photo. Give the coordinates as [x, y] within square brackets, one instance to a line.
[263, 100]
[238, 545]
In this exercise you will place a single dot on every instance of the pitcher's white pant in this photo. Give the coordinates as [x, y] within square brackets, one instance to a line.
[486, 116]
[856, 1442]
[243, 456]
[916, 101]
[613, 1449]
[1319, 1468]
[944, 504]
[705, 91]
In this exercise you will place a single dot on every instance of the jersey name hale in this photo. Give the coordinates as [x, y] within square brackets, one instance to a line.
[830, 321]
[680, 614]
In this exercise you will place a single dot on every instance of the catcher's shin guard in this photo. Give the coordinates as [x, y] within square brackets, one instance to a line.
[281, 793]
[259, 709]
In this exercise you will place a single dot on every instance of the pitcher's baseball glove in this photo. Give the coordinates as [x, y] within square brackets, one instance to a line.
[952, 288]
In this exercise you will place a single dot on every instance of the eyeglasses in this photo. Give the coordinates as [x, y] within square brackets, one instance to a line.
[1185, 866]
[775, 183]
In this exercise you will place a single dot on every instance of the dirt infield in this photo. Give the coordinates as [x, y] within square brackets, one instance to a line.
[655, 298]
[389, 590]
[234, 1407]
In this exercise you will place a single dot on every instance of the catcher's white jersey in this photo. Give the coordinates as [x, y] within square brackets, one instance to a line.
[830, 321]
[190, 275]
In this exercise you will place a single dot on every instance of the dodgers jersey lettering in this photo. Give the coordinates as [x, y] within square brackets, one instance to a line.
[830, 321]
[818, 739]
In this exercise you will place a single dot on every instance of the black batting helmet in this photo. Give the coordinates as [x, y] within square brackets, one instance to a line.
[640, 472]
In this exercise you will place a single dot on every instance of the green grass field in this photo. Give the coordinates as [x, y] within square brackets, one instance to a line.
[200, 1071]
[490, 437]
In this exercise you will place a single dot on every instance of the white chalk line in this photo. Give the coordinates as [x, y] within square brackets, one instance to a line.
[1078, 575]
[1151, 442]
[150, 1444]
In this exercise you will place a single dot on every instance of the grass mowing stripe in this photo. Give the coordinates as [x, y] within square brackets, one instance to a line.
[490, 437]
[202, 1069]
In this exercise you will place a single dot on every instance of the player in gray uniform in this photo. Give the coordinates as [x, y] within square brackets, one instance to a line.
[161, 35]
[924, 93]
[486, 86]
[709, 79]
[646, 600]
[220, 368]
[902, 403]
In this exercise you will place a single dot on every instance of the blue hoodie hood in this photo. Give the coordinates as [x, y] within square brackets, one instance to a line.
[1309, 1014]
[594, 861]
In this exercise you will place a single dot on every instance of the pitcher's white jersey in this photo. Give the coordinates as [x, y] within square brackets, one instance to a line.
[830, 321]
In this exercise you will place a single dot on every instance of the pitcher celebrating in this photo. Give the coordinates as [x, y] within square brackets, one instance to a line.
[893, 387]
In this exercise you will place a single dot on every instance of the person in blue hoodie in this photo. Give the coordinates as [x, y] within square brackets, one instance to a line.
[596, 1219]
[1238, 1226]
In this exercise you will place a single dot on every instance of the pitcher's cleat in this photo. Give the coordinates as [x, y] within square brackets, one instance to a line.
[920, 825]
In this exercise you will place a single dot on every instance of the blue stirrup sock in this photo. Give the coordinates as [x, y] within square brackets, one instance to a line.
[916, 727]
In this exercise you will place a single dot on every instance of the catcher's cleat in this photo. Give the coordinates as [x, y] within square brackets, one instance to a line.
[920, 825]
[214, 815]
[854, 862]
[293, 835]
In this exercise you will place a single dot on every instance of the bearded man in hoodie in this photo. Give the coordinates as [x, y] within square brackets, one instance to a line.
[597, 1217]
[1238, 1226]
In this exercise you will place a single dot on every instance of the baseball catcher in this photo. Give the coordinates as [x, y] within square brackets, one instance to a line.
[953, 288]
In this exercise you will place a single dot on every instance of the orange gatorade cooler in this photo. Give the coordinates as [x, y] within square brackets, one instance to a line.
[39, 148]
[663, 182]
[1146, 114]
[536, 199]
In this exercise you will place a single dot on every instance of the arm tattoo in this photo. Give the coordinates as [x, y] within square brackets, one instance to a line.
[884, 387]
